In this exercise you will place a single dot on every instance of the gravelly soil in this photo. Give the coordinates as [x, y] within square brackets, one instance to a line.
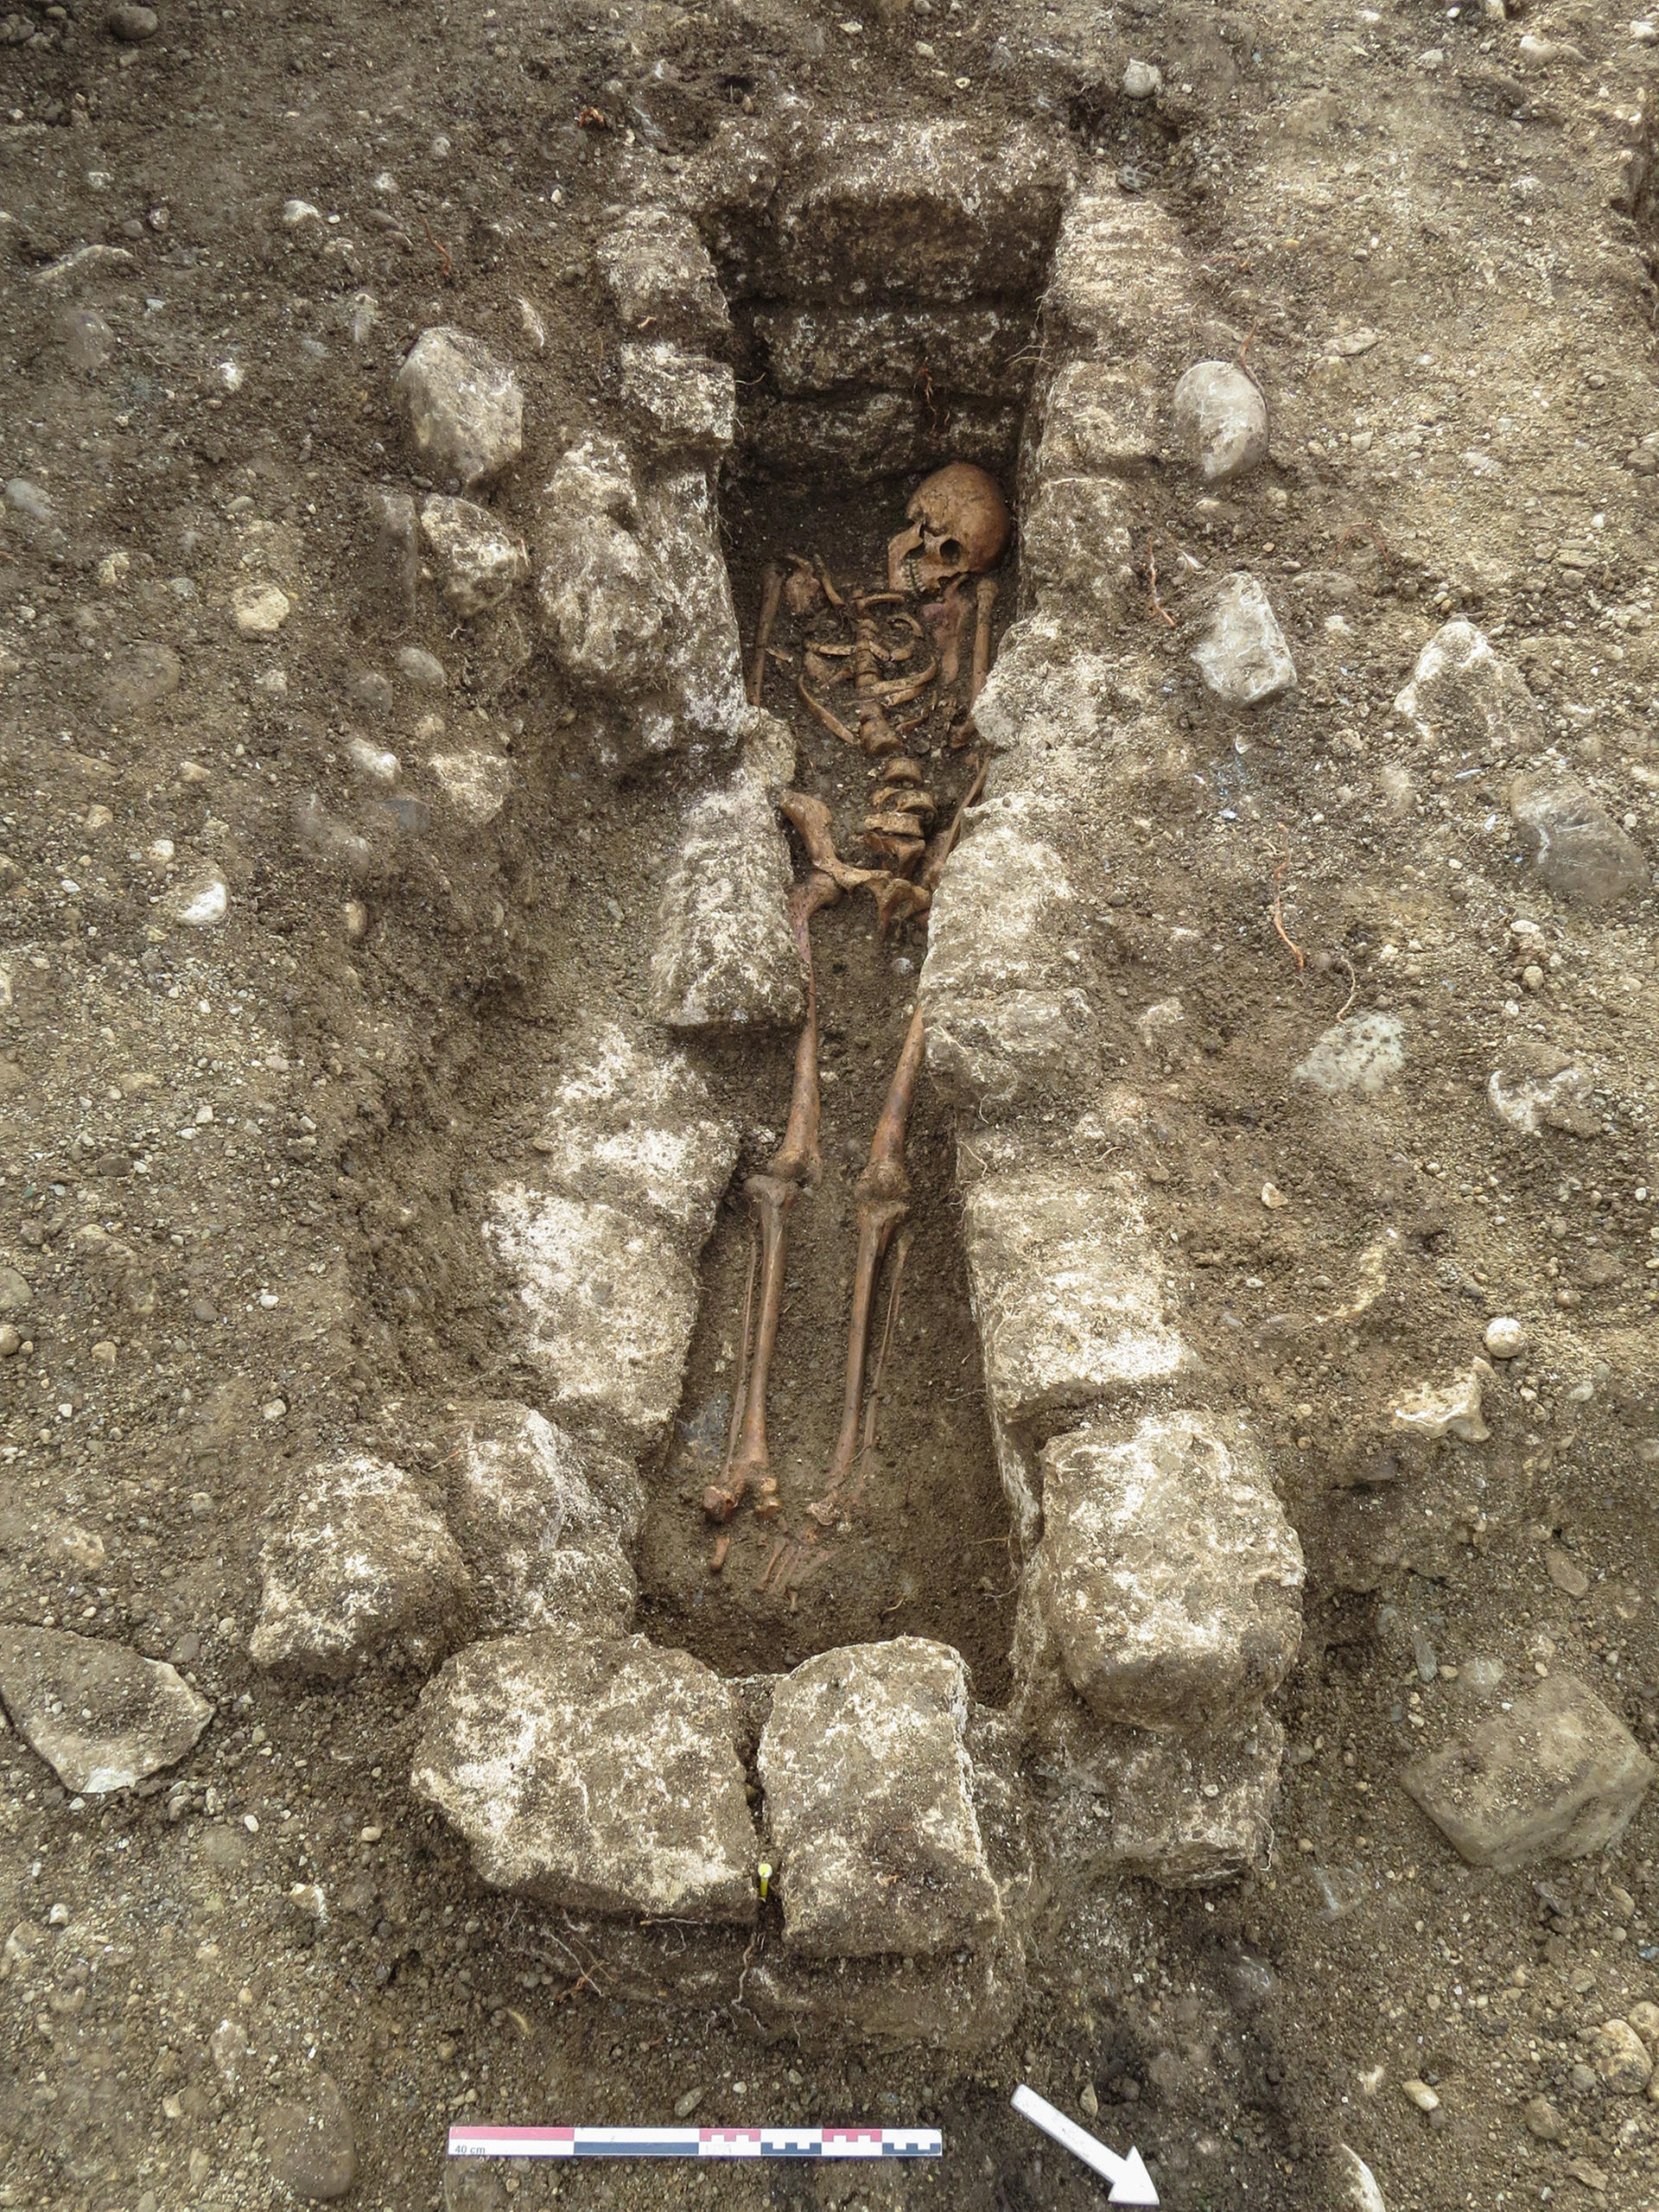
[280, 1132]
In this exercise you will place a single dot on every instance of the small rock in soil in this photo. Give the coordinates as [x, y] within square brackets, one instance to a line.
[1542, 2120]
[260, 610]
[465, 412]
[1557, 1776]
[1620, 2056]
[1454, 1410]
[1505, 1339]
[1221, 420]
[139, 676]
[1579, 852]
[1566, 1573]
[312, 2147]
[131, 24]
[472, 2185]
[421, 669]
[477, 561]
[1358, 1055]
[1242, 655]
[1461, 688]
[101, 1717]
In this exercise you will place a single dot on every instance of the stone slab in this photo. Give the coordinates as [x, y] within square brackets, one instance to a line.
[100, 1715]
[598, 1775]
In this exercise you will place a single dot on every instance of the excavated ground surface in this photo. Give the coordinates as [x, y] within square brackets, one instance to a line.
[1403, 212]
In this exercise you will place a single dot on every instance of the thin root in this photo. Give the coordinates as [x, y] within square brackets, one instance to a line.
[1353, 986]
[1295, 950]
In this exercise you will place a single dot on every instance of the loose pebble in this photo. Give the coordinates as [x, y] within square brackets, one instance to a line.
[1422, 2095]
[132, 24]
[260, 610]
[1505, 1339]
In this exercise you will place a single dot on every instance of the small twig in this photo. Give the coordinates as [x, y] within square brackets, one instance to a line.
[593, 118]
[440, 250]
[1278, 878]
[1157, 606]
[1353, 986]
[1365, 529]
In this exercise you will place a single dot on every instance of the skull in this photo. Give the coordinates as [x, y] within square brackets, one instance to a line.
[959, 526]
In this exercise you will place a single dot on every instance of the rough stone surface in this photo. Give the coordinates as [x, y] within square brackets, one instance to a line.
[545, 1549]
[466, 412]
[635, 1127]
[1579, 852]
[658, 274]
[870, 1807]
[1076, 544]
[259, 611]
[1538, 1087]
[1070, 1298]
[683, 404]
[1100, 420]
[1356, 1056]
[599, 1775]
[101, 1717]
[817, 349]
[865, 213]
[1167, 1583]
[610, 1307]
[1461, 688]
[361, 1560]
[140, 676]
[1620, 2056]
[1119, 273]
[1558, 1776]
[475, 783]
[1221, 421]
[311, 2147]
[636, 603]
[725, 956]
[1453, 1409]
[1242, 655]
[1006, 1021]
[477, 559]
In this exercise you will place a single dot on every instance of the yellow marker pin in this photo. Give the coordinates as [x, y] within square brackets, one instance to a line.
[763, 1870]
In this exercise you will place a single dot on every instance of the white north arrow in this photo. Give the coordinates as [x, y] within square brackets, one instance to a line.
[1131, 2183]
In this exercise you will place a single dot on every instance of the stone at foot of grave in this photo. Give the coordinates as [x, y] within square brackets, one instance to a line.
[601, 1776]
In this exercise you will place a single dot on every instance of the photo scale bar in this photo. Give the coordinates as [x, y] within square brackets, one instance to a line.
[696, 2143]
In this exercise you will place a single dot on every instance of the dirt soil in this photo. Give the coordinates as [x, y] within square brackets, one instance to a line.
[243, 1169]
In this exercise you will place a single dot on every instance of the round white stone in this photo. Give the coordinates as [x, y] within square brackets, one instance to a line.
[1505, 1339]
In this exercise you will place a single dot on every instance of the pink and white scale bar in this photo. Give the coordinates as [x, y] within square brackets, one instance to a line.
[696, 2143]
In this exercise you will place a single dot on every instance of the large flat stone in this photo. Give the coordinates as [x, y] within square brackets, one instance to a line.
[1167, 1583]
[1006, 1021]
[659, 277]
[1460, 687]
[725, 956]
[1188, 1812]
[1100, 419]
[625, 1122]
[1557, 1776]
[1069, 1294]
[870, 1806]
[1076, 544]
[545, 1549]
[1120, 277]
[867, 211]
[360, 1560]
[101, 1717]
[610, 1305]
[465, 410]
[972, 351]
[598, 1775]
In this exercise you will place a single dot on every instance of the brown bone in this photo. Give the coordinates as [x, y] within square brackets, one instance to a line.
[882, 1194]
[772, 592]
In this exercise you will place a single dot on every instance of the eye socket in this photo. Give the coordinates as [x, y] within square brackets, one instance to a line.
[950, 550]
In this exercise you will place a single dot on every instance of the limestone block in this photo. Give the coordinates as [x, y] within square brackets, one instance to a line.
[1191, 1812]
[599, 1775]
[1221, 421]
[658, 275]
[1579, 852]
[634, 1126]
[635, 604]
[725, 956]
[609, 1307]
[1005, 1018]
[1242, 655]
[361, 1560]
[870, 1807]
[1119, 277]
[971, 352]
[1101, 420]
[1167, 1583]
[1069, 1294]
[865, 212]
[1461, 688]
[466, 412]
[101, 1717]
[477, 559]
[1557, 1776]
[1075, 543]
[683, 404]
[545, 1549]
[874, 434]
